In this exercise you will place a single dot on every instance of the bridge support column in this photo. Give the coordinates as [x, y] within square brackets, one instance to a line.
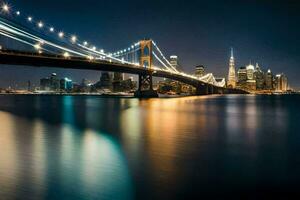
[202, 89]
[145, 87]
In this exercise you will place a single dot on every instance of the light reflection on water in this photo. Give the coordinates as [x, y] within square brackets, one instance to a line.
[105, 148]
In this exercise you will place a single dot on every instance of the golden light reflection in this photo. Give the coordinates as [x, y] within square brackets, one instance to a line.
[39, 156]
[9, 161]
[165, 124]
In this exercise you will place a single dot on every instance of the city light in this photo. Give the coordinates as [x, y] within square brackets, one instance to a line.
[66, 55]
[37, 46]
[90, 57]
[5, 7]
[40, 24]
[61, 34]
[29, 19]
[73, 39]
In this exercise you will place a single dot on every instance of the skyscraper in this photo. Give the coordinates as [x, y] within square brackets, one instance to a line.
[200, 71]
[174, 62]
[269, 80]
[231, 83]
[281, 83]
[259, 77]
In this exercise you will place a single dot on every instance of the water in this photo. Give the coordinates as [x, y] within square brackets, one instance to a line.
[79, 147]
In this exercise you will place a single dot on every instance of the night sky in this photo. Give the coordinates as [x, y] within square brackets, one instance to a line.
[199, 32]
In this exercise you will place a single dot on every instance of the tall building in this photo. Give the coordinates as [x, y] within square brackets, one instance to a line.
[66, 84]
[231, 74]
[259, 78]
[242, 75]
[251, 82]
[250, 72]
[118, 76]
[269, 80]
[45, 84]
[50, 84]
[200, 71]
[55, 83]
[281, 83]
[174, 62]
[106, 80]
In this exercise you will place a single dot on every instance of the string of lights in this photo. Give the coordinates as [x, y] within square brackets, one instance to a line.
[81, 48]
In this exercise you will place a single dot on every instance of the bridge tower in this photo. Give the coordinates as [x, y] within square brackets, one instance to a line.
[145, 87]
[146, 54]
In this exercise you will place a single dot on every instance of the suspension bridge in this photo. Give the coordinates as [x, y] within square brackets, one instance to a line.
[42, 45]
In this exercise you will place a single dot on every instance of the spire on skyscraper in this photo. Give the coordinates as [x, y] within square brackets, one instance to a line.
[231, 73]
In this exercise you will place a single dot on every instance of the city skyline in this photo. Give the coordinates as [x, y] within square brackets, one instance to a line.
[213, 56]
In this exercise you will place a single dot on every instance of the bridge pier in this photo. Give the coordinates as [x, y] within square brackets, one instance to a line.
[145, 87]
[202, 89]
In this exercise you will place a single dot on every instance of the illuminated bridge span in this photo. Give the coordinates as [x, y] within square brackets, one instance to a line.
[41, 45]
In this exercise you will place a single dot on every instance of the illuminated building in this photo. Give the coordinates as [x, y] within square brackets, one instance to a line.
[174, 62]
[231, 83]
[200, 71]
[281, 83]
[66, 84]
[269, 80]
[242, 78]
[251, 82]
[259, 78]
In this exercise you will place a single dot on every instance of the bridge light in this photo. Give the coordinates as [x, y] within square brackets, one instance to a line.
[101, 51]
[90, 57]
[66, 55]
[61, 34]
[40, 24]
[29, 19]
[132, 46]
[5, 7]
[51, 29]
[73, 39]
[37, 46]
[18, 13]
[94, 48]
[85, 43]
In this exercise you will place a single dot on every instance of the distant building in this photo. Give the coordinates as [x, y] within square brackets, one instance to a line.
[105, 81]
[45, 84]
[242, 75]
[251, 82]
[281, 83]
[66, 85]
[55, 83]
[231, 83]
[200, 71]
[174, 62]
[269, 80]
[50, 84]
[259, 78]
[250, 72]
[118, 76]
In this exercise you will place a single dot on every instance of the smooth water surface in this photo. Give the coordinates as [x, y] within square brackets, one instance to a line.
[81, 147]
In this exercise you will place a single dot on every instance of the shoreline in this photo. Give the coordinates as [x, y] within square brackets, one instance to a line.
[131, 95]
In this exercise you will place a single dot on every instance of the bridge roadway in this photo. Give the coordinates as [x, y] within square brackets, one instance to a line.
[18, 58]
